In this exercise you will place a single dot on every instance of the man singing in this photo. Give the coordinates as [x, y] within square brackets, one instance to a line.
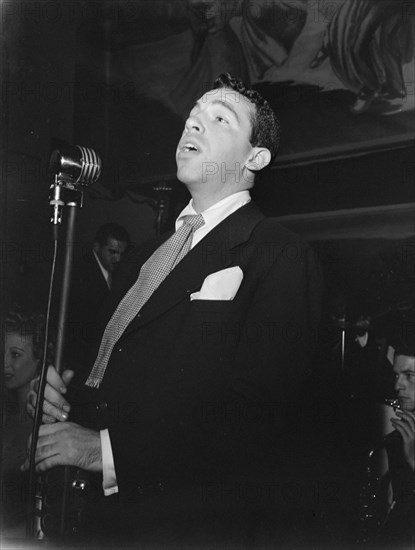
[204, 345]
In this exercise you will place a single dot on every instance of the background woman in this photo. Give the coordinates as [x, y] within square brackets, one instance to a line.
[23, 334]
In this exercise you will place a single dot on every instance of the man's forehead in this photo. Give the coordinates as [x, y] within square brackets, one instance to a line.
[227, 95]
[404, 363]
[115, 243]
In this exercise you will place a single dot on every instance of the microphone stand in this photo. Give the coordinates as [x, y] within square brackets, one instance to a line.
[66, 280]
[73, 199]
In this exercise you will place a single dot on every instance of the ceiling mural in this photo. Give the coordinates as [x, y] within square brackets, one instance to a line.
[339, 73]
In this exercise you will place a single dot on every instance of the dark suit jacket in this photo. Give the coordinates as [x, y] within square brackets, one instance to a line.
[88, 292]
[197, 392]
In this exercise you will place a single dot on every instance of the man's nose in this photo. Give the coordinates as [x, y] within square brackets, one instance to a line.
[398, 384]
[194, 123]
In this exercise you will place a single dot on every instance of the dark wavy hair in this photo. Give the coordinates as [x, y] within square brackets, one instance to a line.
[401, 332]
[31, 324]
[265, 124]
[111, 230]
[404, 347]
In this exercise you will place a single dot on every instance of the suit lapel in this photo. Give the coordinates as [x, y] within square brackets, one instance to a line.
[211, 254]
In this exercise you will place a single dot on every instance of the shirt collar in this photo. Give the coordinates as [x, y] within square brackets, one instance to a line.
[217, 212]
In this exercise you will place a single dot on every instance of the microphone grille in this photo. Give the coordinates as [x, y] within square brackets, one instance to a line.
[90, 168]
[75, 165]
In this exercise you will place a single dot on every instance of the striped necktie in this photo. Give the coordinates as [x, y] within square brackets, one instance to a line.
[153, 272]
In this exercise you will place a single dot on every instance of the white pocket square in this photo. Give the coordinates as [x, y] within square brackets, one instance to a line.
[222, 285]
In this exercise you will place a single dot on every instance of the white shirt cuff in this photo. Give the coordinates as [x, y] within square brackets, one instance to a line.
[109, 483]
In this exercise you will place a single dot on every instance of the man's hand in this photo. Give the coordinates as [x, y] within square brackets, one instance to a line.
[55, 406]
[67, 444]
[405, 425]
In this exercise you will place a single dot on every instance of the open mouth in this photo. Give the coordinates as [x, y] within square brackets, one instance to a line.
[187, 147]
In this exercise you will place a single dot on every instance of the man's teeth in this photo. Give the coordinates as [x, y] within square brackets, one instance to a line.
[189, 147]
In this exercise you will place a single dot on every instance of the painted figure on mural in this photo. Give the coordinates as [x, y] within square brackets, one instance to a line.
[246, 37]
[368, 41]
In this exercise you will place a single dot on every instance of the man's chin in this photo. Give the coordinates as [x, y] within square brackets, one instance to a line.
[188, 177]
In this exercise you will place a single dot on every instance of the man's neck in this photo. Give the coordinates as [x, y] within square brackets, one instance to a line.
[200, 204]
[203, 201]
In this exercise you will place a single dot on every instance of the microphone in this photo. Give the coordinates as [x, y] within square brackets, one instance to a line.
[75, 165]
[75, 168]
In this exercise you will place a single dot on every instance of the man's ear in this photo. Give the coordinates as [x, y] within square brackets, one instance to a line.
[96, 247]
[259, 158]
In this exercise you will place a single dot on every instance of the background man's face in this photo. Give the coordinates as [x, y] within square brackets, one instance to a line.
[215, 146]
[404, 368]
[111, 253]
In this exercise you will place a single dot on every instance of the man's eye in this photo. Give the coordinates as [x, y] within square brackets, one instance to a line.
[15, 355]
[221, 119]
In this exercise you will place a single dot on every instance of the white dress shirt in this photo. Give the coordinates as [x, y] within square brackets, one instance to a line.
[215, 214]
[212, 217]
[103, 270]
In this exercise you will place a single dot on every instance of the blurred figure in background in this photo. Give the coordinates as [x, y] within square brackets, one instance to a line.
[388, 511]
[90, 286]
[400, 449]
[23, 334]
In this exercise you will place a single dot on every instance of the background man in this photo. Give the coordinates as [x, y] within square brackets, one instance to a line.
[400, 448]
[91, 283]
[195, 368]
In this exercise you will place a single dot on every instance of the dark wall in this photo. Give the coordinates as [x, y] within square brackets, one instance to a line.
[382, 177]
[38, 68]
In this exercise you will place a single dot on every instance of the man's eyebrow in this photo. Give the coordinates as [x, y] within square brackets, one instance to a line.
[218, 102]
[227, 106]
[409, 370]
